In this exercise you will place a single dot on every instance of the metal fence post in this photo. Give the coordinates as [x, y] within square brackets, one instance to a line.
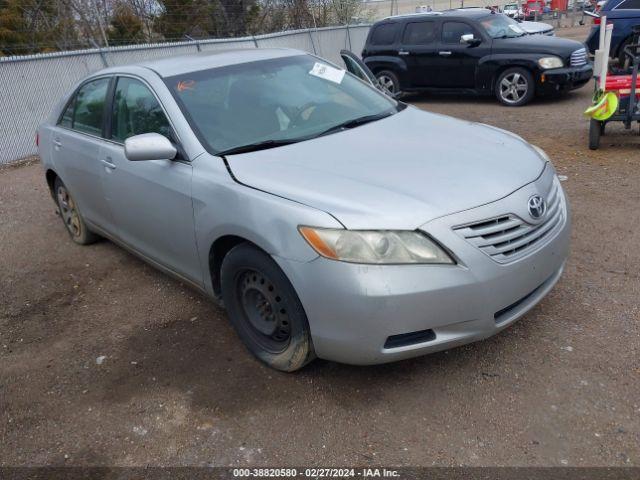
[348, 36]
[313, 45]
[193, 40]
[255, 41]
[101, 52]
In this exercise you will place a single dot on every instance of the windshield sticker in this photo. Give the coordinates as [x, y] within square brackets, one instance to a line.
[185, 85]
[326, 72]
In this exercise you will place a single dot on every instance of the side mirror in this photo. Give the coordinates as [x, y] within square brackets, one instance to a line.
[149, 146]
[469, 39]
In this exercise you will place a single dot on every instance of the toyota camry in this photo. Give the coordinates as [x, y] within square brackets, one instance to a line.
[330, 220]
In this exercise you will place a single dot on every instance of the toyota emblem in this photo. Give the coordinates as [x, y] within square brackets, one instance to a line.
[537, 207]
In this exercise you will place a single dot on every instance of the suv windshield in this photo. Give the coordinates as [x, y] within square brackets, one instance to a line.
[501, 26]
[269, 103]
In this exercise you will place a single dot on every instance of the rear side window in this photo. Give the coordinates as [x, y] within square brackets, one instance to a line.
[88, 111]
[452, 31]
[136, 110]
[384, 34]
[419, 33]
[629, 5]
[67, 117]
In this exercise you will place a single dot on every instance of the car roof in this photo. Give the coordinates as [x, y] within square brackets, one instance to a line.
[470, 12]
[177, 65]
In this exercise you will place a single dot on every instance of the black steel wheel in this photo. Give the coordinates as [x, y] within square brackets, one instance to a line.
[595, 131]
[265, 309]
[71, 216]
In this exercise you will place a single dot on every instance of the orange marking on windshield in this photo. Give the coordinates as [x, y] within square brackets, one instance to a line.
[186, 85]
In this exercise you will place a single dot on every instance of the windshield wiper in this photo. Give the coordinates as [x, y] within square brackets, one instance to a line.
[254, 147]
[356, 122]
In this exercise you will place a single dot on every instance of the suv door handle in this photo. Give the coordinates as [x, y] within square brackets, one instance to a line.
[57, 143]
[403, 52]
[444, 53]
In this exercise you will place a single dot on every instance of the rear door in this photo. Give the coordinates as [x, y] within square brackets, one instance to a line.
[77, 139]
[150, 200]
[420, 49]
[457, 60]
[356, 67]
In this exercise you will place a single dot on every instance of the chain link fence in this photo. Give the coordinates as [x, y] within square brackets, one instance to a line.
[33, 84]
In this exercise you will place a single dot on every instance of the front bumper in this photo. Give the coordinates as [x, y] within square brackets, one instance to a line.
[562, 79]
[354, 309]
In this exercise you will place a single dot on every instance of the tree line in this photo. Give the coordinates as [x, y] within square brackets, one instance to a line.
[36, 26]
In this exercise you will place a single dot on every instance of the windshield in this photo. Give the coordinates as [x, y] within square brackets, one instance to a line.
[501, 26]
[274, 102]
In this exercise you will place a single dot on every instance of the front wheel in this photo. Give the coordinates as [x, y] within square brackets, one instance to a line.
[389, 82]
[515, 87]
[265, 310]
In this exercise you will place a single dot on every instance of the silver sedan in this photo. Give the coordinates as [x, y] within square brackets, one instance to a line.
[330, 219]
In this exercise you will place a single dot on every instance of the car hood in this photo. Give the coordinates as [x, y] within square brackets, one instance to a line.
[533, 28]
[544, 44]
[395, 173]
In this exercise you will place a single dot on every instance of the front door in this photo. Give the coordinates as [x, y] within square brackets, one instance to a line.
[419, 50]
[150, 200]
[458, 59]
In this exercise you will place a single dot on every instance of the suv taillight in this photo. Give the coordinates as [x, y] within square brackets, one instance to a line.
[37, 139]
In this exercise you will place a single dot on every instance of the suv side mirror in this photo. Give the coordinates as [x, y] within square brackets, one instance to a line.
[149, 146]
[469, 39]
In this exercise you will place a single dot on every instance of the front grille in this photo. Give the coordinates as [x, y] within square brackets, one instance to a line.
[578, 58]
[508, 237]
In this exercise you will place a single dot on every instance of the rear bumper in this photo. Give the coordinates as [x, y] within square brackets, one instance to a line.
[562, 79]
[353, 310]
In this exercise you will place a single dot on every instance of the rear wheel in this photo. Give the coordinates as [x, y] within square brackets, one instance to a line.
[596, 129]
[515, 87]
[71, 216]
[265, 309]
[389, 82]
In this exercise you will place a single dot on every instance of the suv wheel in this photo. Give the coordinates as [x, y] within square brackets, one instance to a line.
[515, 87]
[389, 82]
[265, 309]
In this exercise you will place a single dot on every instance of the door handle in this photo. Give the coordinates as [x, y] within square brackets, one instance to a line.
[107, 162]
[57, 143]
[444, 53]
[403, 52]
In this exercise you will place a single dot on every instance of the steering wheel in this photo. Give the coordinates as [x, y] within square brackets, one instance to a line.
[299, 116]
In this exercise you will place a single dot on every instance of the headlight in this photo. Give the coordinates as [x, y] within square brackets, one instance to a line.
[550, 62]
[375, 246]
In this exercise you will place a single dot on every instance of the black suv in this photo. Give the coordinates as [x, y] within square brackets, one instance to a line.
[472, 50]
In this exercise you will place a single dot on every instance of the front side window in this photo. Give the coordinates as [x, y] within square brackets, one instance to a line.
[629, 5]
[384, 34]
[135, 111]
[501, 26]
[419, 33]
[453, 31]
[88, 111]
[278, 100]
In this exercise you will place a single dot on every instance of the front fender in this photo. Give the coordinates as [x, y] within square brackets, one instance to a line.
[378, 62]
[489, 66]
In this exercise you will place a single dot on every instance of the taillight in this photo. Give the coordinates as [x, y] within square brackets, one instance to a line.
[596, 21]
[37, 139]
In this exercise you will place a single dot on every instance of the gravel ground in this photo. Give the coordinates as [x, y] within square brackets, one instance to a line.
[176, 387]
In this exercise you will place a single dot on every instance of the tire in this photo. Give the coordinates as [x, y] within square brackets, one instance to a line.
[71, 216]
[389, 82]
[265, 310]
[595, 130]
[515, 87]
[624, 62]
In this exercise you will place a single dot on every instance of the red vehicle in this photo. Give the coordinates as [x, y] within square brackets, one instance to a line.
[533, 10]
